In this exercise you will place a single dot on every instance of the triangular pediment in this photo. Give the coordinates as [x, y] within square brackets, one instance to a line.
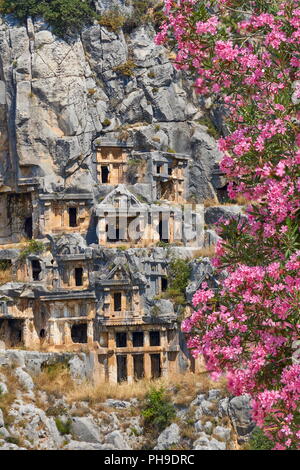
[121, 198]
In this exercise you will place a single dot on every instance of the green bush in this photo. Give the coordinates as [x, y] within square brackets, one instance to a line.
[65, 16]
[112, 20]
[33, 247]
[63, 427]
[259, 441]
[158, 411]
[179, 274]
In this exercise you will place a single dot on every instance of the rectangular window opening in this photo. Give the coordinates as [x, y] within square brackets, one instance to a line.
[79, 276]
[138, 339]
[72, 217]
[121, 340]
[117, 301]
[154, 338]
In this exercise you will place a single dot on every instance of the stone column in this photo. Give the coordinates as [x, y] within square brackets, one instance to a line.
[112, 368]
[164, 364]
[67, 333]
[146, 339]
[51, 332]
[147, 366]
[155, 225]
[101, 232]
[90, 332]
[130, 370]
[27, 340]
[129, 339]
[164, 339]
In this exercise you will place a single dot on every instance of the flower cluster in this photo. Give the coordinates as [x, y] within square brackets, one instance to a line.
[245, 57]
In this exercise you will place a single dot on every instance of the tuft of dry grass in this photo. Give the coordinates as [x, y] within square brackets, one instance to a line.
[55, 380]
[182, 388]
[211, 202]
[5, 276]
[7, 399]
[206, 252]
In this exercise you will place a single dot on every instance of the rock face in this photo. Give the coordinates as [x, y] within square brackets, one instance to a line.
[168, 437]
[43, 420]
[95, 126]
[58, 96]
[84, 429]
[239, 410]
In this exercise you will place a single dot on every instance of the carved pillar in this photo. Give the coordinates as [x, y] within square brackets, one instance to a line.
[164, 364]
[147, 365]
[51, 332]
[46, 227]
[112, 367]
[146, 339]
[101, 231]
[67, 333]
[90, 332]
[26, 335]
[130, 369]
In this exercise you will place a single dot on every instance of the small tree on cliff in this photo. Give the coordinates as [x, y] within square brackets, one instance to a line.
[245, 55]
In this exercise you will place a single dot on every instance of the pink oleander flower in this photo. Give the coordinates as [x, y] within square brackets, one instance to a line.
[250, 65]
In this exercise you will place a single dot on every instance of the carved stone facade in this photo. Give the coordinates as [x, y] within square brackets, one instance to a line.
[99, 281]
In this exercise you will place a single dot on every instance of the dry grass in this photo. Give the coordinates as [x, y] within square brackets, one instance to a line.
[7, 399]
[183, 388]
[206, 252]
[55, 380]
[5, 276]
[240, 200]
[211, 202]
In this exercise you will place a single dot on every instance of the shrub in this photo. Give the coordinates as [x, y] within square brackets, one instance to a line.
[65, 16]
[158, 411]
[212, 130]
[179, 274]
[112, 19]
[33, 247]
[63, 427]
[259, 441]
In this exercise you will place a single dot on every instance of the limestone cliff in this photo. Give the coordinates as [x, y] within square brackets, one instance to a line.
[59, 95]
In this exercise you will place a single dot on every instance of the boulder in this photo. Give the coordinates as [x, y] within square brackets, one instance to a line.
[215, 213]
[85, 430]
[169, 437]
[117, 403]
[222, 433]
[24, 379]
[239, 410]
[117, 440]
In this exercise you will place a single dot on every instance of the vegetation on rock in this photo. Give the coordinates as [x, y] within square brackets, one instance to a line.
[158, 411]
[34, 247]
[65, 16]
